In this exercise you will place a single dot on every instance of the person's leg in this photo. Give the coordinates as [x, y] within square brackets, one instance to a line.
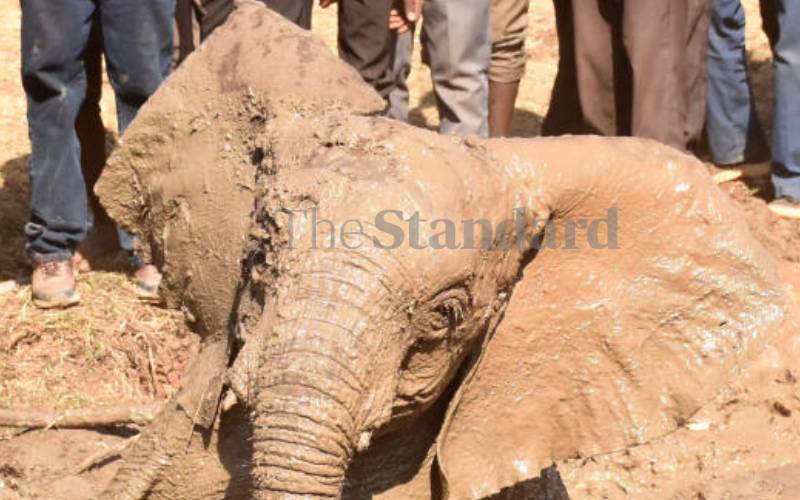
[695, 33]
[366, 42]
[502, 100]
[786, 131]
[509, 29]
[297, 11]
[734, 133]
[401, 69]
[564, 115]
[211, 14]
[666, 42]
[596, 23]
[648, 35]
[184, 24]
[458, 36]
[138, 46]
[54, 38]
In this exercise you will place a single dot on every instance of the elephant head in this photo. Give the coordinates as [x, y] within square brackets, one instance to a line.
[375, 270]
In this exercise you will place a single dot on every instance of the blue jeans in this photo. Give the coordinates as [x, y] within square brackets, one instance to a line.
[137, 39]
[734, 132]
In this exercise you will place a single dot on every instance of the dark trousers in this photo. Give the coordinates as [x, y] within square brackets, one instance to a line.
[564, 116]
[366, 43]
[734, 132]
[137, 40]
[210, 14]
[641, 67]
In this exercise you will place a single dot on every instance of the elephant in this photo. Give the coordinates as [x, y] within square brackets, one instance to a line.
[391, 313]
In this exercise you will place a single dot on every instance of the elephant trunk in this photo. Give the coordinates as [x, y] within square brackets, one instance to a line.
[310, 391]
[302, 437]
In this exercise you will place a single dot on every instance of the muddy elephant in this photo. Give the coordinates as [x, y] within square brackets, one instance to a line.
[406, 315]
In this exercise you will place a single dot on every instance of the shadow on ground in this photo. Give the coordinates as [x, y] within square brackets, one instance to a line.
[14, 209]
[100, 248]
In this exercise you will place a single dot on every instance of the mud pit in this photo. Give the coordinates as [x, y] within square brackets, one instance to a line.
[600, 354]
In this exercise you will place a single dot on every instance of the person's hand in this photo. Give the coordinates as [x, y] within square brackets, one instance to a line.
[326, 3]
[413, 10]
[397, 22]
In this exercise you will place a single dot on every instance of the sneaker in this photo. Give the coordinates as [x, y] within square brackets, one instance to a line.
[786, 207]
[147, 279]
[53, 285]
[727, 173]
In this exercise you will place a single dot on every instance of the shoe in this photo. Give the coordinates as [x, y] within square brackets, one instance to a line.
[787, 208]
[727, 173]
[148, 280]
[53, 285]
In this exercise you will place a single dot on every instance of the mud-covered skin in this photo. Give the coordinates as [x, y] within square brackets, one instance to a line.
[349, 348]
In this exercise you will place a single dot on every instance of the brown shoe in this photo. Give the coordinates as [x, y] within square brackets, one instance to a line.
[53, 285]
[148, 279]
[786, 208]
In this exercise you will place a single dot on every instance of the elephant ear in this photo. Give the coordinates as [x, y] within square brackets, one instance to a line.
[601, 349]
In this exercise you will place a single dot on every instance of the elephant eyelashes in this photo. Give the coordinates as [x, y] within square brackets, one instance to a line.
[448, 313]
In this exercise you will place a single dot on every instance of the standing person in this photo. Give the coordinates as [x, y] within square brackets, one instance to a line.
[365, 42]
[640, 67]
[509, 30]
[456, 35]
[196, 19]
[734, 132]
[137, 41]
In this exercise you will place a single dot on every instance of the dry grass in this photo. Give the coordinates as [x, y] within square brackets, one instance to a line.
[108, 350]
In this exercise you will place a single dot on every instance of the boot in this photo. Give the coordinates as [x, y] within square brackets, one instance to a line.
[502, 98]
[53, 285]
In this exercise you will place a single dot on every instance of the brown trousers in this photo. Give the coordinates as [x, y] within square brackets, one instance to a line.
[641, 67]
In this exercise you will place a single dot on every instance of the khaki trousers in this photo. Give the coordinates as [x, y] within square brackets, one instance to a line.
[509, 30]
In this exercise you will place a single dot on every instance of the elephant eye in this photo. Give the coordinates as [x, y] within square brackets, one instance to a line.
[449, 311]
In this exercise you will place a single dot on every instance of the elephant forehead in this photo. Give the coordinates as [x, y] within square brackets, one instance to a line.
[383, 164]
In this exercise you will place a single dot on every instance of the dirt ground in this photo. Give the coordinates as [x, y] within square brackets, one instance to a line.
[112, 349]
